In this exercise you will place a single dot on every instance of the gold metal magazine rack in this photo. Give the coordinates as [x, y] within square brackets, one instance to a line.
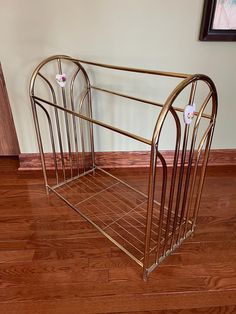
[147, 227]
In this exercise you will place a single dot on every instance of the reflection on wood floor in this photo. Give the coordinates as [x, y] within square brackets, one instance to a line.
[52, 261]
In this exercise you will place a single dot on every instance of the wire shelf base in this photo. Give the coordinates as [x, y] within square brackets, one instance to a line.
[116, 210]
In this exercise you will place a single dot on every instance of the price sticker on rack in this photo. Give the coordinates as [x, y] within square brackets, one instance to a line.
[189, 112]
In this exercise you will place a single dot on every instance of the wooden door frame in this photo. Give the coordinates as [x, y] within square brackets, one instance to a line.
[9, 145]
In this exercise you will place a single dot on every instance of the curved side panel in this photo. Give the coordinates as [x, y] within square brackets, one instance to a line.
[63, 82]
[185, 182]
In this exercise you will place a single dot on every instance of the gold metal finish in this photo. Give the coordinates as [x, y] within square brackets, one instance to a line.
[107, 126]
[146, 227]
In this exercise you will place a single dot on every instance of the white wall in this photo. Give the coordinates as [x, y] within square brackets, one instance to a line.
[154, 34]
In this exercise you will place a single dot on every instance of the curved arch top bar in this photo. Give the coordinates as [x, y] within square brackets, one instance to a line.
[147, 227]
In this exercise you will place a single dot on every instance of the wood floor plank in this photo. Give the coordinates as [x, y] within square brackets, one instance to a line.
[16, 256]
[116, 304]
[203, 310]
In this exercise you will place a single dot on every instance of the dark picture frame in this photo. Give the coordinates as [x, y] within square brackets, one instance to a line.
[207, 32]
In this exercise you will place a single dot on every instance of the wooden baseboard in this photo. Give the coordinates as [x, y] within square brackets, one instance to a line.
[218, 157]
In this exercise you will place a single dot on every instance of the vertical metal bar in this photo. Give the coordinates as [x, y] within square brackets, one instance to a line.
[57, 123]
[40, 145]
[73, 117]
[182, 169]
[207, 150]
[187, 203]
[91, 126]
[186, 187]
[173, 177]
[60, 142]
[66, 119]
[202, 178]
[81, 127]
[194, 178]
[189, 166]
[192, 187]
[162, 207]
[179, 189]
[57, 126]
[51, 138]
[150, 203]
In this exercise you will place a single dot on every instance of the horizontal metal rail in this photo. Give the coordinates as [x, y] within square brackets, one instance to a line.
[107, 126]
[149, 102]
[129, 69]
[126, 96]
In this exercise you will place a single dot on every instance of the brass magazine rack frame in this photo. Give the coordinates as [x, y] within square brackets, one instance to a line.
[146, 227]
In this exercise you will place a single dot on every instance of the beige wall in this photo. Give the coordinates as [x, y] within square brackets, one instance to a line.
[155, 34]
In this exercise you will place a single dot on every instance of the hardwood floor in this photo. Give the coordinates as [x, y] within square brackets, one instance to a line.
[52, 261]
